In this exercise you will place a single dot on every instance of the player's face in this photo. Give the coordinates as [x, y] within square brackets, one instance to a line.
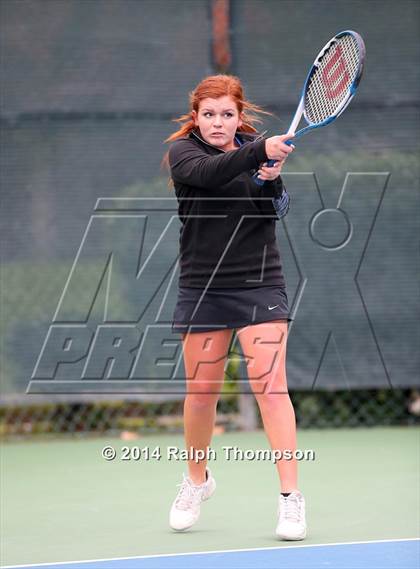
[218, 120]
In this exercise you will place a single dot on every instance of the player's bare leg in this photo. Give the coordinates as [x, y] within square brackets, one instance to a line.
[205, 355]
[264, 346]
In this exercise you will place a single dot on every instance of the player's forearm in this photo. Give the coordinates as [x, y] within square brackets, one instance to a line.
[192, 166]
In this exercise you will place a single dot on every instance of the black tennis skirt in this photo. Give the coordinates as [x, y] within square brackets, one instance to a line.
[226, 308]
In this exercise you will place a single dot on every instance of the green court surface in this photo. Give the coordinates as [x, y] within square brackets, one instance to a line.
[61, 501]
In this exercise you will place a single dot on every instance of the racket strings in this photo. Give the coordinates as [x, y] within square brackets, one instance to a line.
[329, 85]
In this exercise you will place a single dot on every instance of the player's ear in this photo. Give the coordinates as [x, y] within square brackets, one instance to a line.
[240, 122]
[194, 117]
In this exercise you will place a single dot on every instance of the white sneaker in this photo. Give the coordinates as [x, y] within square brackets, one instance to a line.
[185, 510]
[291, 517]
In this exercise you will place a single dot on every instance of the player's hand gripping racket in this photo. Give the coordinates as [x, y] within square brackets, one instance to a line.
[330, 85]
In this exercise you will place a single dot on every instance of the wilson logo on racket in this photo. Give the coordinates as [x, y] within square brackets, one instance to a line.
[335, 75]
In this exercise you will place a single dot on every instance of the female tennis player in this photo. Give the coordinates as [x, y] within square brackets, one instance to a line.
[230, 280]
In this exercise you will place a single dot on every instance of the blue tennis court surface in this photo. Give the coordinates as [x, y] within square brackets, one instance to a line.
[397, 554]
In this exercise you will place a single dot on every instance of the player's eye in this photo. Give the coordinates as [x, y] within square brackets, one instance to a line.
[229, 115]
[207, 114]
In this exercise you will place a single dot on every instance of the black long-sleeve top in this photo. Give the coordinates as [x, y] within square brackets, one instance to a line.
[227, 236]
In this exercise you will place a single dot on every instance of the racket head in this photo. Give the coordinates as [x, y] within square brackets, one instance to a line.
[333, 78]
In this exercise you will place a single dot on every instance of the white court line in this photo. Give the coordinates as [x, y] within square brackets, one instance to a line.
[279, 548]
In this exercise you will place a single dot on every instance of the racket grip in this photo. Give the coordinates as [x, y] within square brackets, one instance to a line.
[269, 164]
[257, 180]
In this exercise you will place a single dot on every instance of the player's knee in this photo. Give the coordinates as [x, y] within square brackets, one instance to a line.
[203, 400]
[271, 399]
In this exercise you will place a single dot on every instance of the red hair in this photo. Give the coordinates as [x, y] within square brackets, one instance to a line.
[214, 87]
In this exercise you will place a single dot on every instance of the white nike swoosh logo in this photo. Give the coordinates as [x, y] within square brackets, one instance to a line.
[272, 307]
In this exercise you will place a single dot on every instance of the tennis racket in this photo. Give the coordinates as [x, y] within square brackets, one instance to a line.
[330, 85]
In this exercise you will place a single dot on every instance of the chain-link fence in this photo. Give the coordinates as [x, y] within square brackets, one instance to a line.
[130, 419]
